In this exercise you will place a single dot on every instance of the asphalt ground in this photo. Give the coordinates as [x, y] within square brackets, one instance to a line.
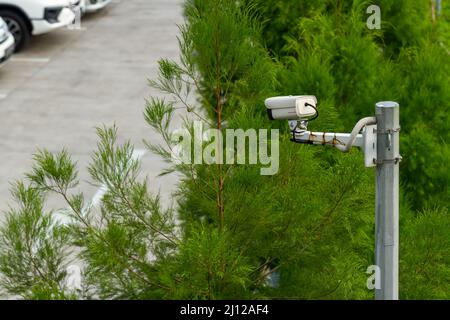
[64, 84]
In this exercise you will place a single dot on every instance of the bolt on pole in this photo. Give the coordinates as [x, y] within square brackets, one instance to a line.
[387, 199]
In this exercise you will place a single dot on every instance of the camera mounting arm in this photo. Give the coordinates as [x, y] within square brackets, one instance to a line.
[366, 140]
[301, 109]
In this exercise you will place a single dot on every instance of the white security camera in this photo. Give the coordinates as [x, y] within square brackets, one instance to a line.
[291, 107]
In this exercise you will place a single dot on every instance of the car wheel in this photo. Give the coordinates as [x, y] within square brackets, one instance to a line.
[18, 27]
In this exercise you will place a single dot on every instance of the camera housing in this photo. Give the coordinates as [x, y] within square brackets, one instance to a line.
[291, 107]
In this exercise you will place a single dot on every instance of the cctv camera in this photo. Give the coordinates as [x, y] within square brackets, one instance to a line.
[291, 107]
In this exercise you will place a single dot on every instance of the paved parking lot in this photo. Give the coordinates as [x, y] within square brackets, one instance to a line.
[65, 83]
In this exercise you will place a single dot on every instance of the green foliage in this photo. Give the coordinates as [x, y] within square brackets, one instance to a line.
[328, 51]
[425, 255]
[224, 41]
[287, 228]
[34, 248]
[304, 224]
[210, 266]
[405, 24]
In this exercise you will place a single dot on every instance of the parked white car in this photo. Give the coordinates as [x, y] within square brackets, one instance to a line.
[6, 42]
[94, 5]
[32, 17]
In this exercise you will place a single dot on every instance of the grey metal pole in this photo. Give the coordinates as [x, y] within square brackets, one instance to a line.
[387, 199]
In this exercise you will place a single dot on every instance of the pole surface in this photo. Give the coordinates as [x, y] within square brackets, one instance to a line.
[387, 199]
